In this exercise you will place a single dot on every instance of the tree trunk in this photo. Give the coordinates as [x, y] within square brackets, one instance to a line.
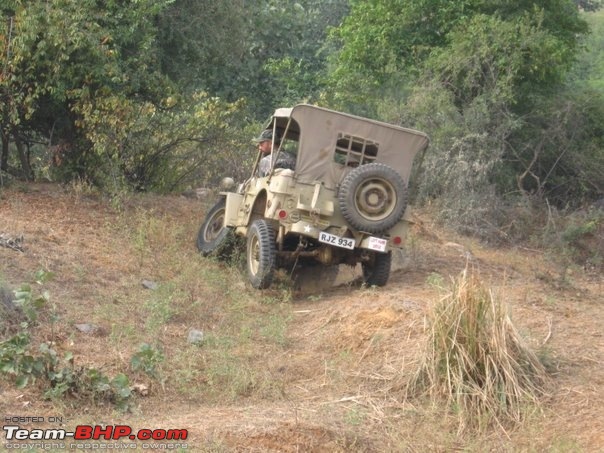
[25, 166]
[4, 152]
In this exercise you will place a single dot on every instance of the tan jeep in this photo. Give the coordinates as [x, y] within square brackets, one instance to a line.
[344, 203]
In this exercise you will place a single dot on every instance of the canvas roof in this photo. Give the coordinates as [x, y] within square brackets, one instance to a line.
[317, 130]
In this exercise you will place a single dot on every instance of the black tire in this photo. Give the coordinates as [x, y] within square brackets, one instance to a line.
[377, 271]
[373, 198]
[261, 254]
[213, 238]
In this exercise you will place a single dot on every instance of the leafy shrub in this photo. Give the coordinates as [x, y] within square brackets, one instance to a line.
[15, 360]
[24, 304]
[575, 239]
[99, 387]
[28, 303]
[59, 375]
[147, 359]
[143, 146]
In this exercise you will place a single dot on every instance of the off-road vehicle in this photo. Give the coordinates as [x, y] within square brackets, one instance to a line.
[344, 203]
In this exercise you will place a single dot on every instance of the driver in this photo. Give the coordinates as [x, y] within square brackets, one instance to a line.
[284, 160]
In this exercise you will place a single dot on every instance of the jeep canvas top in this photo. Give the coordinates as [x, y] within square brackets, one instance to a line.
[328, 134]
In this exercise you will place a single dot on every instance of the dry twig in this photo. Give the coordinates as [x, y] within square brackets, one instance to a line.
[12, 242]
[549, 333]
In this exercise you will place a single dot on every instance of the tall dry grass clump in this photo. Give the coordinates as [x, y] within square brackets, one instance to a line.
[475, 360]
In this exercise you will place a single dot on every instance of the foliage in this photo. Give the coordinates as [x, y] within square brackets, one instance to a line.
[502, 121]
[59, 375]
[247, 49]
[27, 302]
[588, 73]
[492, 57]
[16, 360]
[90, 81]
[381, 45]
[296, 68]
[457, 171]
[200, 45]
[30, 304]
[557, 155]
[589, 5]
[147, 359]
[143, 146]
[97, 386]
[61, 52]
[165, 94]
[384, 44]
[573, 240]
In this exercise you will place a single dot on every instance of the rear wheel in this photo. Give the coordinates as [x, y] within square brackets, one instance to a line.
[261, 254]
[213, 237]
[377, 271]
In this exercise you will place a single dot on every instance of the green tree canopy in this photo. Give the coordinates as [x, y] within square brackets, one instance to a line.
[65, 61]
[144, 92]
[62, 52]
[384, 44]
[487, 81]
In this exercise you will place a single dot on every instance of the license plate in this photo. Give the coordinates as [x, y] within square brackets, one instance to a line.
[338, 241]
[377, 244]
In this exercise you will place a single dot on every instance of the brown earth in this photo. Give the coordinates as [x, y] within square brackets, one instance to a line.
[314, 369]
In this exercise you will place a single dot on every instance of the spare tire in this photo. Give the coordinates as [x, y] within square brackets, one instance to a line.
[373, 198]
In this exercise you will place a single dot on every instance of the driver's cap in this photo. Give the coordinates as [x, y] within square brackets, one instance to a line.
[266, 135]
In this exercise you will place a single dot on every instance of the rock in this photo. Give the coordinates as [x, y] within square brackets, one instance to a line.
[150, 285]
[195, 336]
[141, 389]
[89, 329]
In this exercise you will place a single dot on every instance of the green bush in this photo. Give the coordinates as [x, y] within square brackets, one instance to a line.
[143, 146]
[147, 359]
[59, 376]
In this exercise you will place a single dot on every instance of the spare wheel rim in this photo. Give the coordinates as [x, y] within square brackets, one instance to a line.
[375, 199]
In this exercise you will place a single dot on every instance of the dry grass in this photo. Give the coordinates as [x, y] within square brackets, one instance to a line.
[323, 369]
[475, 360]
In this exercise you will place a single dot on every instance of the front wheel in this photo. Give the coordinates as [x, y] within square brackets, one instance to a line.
[261, 254]
[377, 271]
[214, 239]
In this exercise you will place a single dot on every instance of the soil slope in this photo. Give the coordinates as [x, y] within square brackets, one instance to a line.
[320, 367]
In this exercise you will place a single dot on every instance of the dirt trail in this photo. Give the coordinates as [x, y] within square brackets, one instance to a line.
[565, 324]
[339, 381]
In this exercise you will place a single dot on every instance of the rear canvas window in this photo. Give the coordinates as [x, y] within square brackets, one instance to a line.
[354, 151]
